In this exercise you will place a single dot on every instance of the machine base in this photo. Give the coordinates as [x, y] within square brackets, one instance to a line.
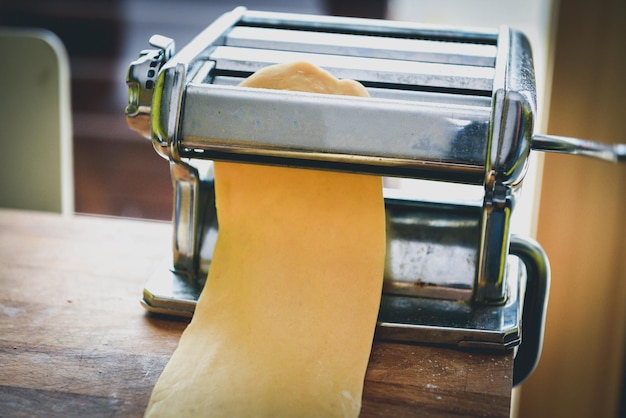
[401, 318]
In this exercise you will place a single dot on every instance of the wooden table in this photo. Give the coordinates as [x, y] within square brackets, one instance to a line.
[74, 340]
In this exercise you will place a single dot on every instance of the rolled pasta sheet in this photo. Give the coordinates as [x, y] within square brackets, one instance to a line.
[284, 325]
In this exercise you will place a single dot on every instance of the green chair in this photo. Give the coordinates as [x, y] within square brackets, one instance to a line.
[36, 168]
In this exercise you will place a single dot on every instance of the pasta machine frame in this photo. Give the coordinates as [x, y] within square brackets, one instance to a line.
[448, 106]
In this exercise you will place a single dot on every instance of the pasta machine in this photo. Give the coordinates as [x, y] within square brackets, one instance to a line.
[448, 107]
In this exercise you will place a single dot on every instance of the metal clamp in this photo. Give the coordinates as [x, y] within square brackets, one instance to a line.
[534, 307]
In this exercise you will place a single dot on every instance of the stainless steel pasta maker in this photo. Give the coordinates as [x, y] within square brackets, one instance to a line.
[448, 108]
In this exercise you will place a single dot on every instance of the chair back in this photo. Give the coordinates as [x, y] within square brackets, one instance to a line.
[36, 167]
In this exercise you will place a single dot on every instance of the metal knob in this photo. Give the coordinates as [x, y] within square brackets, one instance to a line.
[141, 79]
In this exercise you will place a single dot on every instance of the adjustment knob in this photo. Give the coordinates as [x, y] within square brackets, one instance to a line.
[141, 79]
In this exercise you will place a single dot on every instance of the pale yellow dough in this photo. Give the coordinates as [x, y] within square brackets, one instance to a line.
[285, 323]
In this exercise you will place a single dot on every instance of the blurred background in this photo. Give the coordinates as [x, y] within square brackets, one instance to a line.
[580, 219]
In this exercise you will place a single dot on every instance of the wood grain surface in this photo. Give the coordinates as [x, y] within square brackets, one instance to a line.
[75, 342]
